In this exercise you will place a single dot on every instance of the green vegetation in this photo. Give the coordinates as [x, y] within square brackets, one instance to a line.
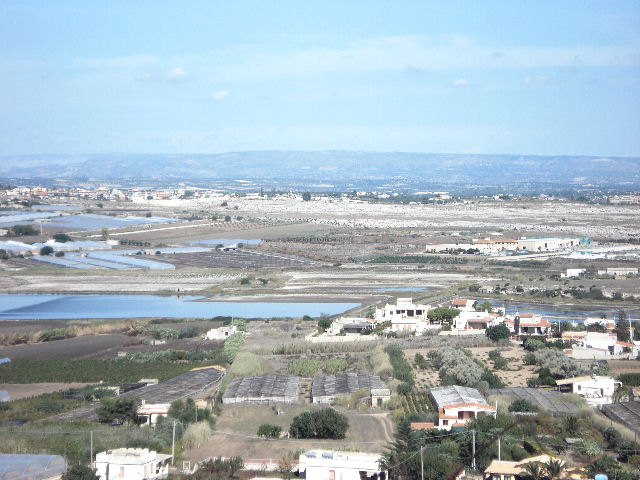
[630, 379]
[308, 367]
[80, 472]
[442, 314]
[416, 259]
[231, 346]
[46, 250]
[305, 348]
[325, 423]
[218, 468]
[91, 370]
[269, 431]
[401, 369]
[497, 332]
[22, 231]
[120, 410]
[380, 364]
[186, 412]
[62, 238]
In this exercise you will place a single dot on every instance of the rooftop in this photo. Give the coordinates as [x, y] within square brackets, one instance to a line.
[455, 395]
[269, 385]
[343, 383]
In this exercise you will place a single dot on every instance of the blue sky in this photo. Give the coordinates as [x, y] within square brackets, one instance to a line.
[550, 78]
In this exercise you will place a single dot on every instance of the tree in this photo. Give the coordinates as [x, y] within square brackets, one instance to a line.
[323, 324]
[484, 307]
[105, 233]
[326, 423]
[553, 468]
[533, 471]
[80, 472]
[622, 326]
[46, 250]
[4, 255]
[521, 405]
[119, 410]
[497, 332]
[306, 196]
[441, 314]
[62, 238]
[22, 230]
[235, 464]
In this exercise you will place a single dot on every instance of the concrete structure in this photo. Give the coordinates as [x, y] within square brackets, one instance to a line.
[596, 390]
[329, 465]
[350, 325]
[132, 464]
[380, 396]
[540, 244]
[262, 389]
[462, 303]
[324, 388]
[573, 272]
[472, 320]
[619, 271]
[221, 333]
[458, 405]
[31, 466]
[506, 470]
[607, 343]
[404, 316]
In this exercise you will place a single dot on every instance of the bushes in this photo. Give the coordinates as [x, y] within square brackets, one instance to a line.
[57, 334]
[401, 369]
[269, 431]
[325, 423]
[305, 367]
[559, 365]
[231, 346]
[455, 367]
[196, 435]
[630, 379]
[521, 405]
[379, 361]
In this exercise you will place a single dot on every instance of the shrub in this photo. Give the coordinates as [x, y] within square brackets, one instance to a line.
[196, 435]
[521, 405]
[497, 332]
[46, 250]
[120, 410]
[269, 431]
[62, 238]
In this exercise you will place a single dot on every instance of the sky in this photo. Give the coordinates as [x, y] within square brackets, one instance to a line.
[485, 77]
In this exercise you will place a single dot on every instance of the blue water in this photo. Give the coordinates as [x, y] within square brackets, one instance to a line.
[90, 221]
[59, 307]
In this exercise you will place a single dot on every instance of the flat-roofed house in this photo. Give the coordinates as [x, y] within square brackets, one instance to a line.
[458, 405]
[595, 389]
[330, 465]
[531, 324]
[132, 464]
[404, 316]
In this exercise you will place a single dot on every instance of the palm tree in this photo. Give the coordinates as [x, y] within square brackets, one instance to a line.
[533, 471]
[553, 468]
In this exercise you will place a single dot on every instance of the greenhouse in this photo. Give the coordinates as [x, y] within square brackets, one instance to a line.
[36, 467]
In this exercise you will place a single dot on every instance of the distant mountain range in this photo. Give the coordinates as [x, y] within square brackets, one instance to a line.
[327, 170]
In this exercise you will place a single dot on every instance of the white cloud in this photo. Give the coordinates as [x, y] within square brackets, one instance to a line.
[221, 94]
[177, 74]
[460, 82]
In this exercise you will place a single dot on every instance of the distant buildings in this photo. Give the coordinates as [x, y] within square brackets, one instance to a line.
[619, 271]
[458, 405]
[329, 465]
[573, 273]
[507, 470]
[132, 464]
[503, 245]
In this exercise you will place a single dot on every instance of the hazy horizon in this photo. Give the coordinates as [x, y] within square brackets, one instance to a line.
[499, 77]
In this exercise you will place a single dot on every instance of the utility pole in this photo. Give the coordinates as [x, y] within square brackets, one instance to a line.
[421, 463]
[498, 448]
[91, 450]
[173, 442]
[473, 457]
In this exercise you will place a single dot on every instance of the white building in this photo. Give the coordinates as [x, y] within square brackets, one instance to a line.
[596, 390]
[573, 272]
[472, 320]
[531, 324]
[458, 405]
[619, 271]
[132, 464]
[221, 333]
[404, 316]
[329, 465]
[603, 345]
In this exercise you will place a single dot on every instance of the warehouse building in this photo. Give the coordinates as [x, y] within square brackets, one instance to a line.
[262, 389]
[325, 388]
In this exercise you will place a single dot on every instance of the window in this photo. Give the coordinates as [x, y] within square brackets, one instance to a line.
[445, 422]
[460, 415]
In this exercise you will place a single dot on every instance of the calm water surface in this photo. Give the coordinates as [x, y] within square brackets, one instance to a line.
[56, 307]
